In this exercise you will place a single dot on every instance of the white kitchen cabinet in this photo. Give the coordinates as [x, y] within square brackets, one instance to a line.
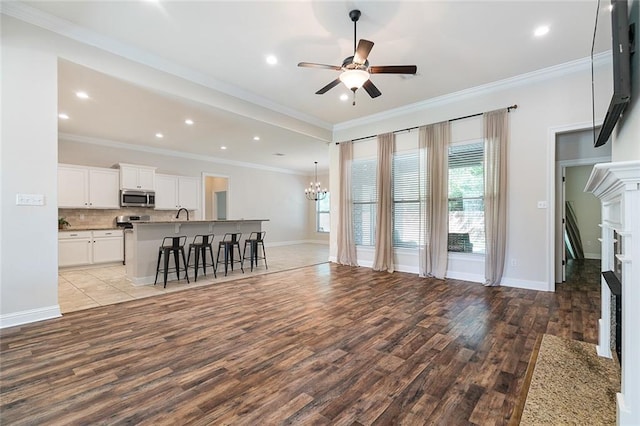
[77, 248]
[108, 246]
[137, 177]
[87, 187]
[175, 192]
[104, 190]
[73, 186]
[74, 248]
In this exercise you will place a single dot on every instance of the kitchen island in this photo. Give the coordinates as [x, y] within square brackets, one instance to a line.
[144, 239]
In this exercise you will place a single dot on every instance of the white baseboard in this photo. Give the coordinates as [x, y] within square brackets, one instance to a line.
[464, 276]
[290, 243]
[526, 284]
[31, 315]
[409, 269]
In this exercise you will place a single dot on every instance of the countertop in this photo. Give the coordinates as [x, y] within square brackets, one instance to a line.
[173, 222]
[89, 228]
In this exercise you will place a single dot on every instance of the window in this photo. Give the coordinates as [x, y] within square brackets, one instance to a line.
[323, 215]
[466, 198]
[365, 198]
[406, 199]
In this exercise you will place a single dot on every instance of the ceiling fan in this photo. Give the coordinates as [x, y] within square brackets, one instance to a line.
[356, 69]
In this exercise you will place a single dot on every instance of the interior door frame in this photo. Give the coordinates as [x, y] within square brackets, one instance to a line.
[552, 214]
[560, 222]
[205, 175]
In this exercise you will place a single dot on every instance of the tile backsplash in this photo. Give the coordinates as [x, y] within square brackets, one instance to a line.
[87, 218]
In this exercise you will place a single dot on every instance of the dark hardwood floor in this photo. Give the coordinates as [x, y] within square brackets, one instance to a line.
[324, 344]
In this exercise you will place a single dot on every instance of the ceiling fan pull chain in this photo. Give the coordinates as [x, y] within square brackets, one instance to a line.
[354, 98]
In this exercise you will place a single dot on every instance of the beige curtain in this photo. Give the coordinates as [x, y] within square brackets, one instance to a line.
[434, 146]
[346, 245]
[384, 221]
[496, 141]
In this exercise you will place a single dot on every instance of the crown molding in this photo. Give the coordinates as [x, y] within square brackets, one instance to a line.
[70, 30]
[552, 72]
[78, 33]
[172, 153]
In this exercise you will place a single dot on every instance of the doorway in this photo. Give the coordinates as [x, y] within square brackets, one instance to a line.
[574, 158]
[216, 196]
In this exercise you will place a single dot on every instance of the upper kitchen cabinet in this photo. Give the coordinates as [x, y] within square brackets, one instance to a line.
[88, 187]
[175, 192]
[137, 177]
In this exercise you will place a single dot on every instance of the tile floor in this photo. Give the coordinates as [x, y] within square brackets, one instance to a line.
[90, 286]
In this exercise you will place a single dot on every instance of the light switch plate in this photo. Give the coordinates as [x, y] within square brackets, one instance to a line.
[29, 200]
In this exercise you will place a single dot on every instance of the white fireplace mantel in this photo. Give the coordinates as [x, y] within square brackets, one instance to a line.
[617, 185]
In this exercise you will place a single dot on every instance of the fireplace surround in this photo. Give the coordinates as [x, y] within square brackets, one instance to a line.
[617, 185]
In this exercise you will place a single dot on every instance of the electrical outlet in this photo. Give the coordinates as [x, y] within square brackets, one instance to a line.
[513, 262]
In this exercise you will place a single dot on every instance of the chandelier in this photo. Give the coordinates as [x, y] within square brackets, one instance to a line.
[313, 192]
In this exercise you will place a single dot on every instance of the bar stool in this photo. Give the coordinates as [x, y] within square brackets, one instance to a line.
[170, 245]
[200, 244]
[255, 239]
[227, 244]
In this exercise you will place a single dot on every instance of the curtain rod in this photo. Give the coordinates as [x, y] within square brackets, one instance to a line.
[515, 106]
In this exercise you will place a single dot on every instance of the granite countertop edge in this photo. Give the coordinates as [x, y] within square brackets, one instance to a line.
[90, 228]
[180, 222]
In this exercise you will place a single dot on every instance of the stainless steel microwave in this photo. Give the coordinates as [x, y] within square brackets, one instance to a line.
[132, 198]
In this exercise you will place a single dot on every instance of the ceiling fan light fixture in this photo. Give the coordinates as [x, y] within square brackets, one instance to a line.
[354, 79]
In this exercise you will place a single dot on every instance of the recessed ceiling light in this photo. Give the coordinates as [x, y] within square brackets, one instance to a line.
[344, 97]
[256, 138]
[82, 95]
[159, 135]
[188, 121]
[223, 147]
[63, 116]
[272, 60]
[541, 30]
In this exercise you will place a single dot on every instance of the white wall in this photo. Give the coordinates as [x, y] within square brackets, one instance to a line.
[28, 234]
[587, 209]
[546, 100]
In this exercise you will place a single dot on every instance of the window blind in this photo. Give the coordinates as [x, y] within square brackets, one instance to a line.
[406, 199]
[365, 199]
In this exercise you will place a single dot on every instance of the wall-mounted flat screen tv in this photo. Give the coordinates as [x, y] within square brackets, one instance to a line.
[611, 39]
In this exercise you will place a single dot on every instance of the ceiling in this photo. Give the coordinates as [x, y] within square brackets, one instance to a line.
[456, 45]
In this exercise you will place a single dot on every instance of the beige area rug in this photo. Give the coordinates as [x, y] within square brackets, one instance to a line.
[571, 385]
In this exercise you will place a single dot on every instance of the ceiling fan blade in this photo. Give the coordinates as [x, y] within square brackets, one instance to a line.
[393, 69]
[362, 51]
[371, 89]
[328, 87]
[312, 65]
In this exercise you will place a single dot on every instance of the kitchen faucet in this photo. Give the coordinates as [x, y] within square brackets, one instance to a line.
[178, 215]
